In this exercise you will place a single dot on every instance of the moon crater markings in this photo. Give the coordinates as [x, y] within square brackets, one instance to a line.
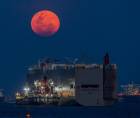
[45, 23]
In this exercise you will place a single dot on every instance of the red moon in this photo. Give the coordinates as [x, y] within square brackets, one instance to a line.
[45, 23]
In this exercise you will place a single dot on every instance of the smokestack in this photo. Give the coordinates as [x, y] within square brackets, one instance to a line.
[106, 59]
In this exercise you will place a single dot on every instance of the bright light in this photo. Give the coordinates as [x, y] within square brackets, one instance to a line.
[39, 83]
[17, 94]
[26, 89]
[52, 83]
[61, 88]
[65, 88]
[42, 87]
[57, 89]
[35, 83]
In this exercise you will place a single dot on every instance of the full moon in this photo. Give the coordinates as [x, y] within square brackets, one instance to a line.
[45, 23]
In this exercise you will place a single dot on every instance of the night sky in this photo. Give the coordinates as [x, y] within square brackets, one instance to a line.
[90, 26]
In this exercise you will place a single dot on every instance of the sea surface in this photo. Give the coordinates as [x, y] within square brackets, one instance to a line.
[125, 108]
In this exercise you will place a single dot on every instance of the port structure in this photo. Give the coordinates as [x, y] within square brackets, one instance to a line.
[131, 89]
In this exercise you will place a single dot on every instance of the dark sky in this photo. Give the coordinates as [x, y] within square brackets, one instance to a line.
[89, 26]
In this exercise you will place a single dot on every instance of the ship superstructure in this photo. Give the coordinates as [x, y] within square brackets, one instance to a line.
[96, 83]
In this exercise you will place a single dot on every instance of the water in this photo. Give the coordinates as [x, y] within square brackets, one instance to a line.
[129, 108]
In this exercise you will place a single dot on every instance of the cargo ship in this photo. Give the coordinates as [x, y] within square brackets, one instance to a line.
[50, 82]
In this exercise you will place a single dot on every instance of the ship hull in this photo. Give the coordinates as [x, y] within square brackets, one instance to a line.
[38, 101]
